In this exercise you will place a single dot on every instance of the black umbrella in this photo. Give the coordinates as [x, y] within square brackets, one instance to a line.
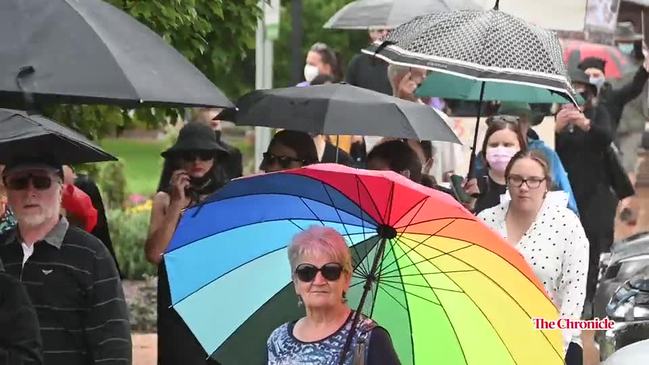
[366, 14]
[342, 109]
[491, 47]
[23, 135]
[89, 52]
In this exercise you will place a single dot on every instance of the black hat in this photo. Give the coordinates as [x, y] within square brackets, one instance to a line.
[578, 75]
[195, 136]
[592, 62]
[625, 32]
[520, 109]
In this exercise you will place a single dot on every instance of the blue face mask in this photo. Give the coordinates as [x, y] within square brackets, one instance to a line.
[597, 81]
[626, 48]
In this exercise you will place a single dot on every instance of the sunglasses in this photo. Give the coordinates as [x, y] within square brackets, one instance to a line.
[283, 161]
[39, 182]
[191, 156]
[308, 272]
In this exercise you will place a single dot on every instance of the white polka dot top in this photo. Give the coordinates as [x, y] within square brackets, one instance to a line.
[556, 247]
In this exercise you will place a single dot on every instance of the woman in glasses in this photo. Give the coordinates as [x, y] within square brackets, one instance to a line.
[289, 150]
[503, 140]
[196, 175]
[537, 222]
[321, 269]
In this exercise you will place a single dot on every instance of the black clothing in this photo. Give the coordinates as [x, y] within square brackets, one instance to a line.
[20, 339]
[574, 355]
[88, 186]
[233, 162]
[615, 99]
[176, 343]
[76, 292]
[583, 156]
[329, 155]
[370, 73]
[490, 192]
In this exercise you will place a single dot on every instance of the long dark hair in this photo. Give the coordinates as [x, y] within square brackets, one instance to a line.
[299, 142]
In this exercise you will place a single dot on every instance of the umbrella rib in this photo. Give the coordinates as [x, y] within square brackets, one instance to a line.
[421, 286]
[395, 299]
[388, 214]
[498, 285]
[413, 294]
[434, 220]
[376, 208]
[421, 205]
[362, 271]
[339, 216]
[426, 274]
[420, 243]
[432, 258]
[405, 295]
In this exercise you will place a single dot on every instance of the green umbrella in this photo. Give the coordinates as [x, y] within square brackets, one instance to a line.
[455, 87]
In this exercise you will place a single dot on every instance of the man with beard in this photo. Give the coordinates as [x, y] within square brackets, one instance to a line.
[69, 275]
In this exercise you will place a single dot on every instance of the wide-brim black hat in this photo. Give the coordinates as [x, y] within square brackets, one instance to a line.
[195, 136]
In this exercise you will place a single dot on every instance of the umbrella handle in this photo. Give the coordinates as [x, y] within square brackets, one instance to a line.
[366, 288]
[471, 172]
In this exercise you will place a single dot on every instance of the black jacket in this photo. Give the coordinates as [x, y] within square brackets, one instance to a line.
[615, 99]
[20, 338]
[370, 73]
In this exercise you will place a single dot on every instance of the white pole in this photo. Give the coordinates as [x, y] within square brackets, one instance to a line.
[264, 70]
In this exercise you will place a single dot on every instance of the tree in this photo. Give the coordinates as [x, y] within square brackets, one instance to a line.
[315, 15]
[217, 36]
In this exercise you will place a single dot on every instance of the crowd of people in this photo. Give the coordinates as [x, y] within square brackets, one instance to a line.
[556, 206]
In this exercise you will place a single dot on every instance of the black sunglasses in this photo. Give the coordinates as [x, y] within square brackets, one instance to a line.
[191, 156]
[283, 161]
[531, 182]
[39, 182]
[308, 272]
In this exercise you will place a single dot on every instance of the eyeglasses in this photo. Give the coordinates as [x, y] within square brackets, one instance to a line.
[191, 156]
[531, 182]
[39, 182]
[283, 161]
[308, 272]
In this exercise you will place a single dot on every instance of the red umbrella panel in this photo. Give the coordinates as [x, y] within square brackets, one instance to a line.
[617, 63]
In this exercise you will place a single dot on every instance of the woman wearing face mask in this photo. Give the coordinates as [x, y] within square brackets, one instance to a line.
[537, 222]
[322, 60]
[502, 141]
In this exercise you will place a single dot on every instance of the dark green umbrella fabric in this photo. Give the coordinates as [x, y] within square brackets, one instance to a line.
[89, 52]
[25, 136]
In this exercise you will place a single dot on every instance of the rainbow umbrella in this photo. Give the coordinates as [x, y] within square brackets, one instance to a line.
[448, 289]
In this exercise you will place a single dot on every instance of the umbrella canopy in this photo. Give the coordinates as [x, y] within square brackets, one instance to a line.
[617, 63]
[87, 52]
[366, 14]
[449, 290]
[23, 135]
[488, 46]
[452, 87]
[342, 109]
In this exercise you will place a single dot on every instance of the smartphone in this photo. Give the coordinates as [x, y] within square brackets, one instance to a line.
[458, 189]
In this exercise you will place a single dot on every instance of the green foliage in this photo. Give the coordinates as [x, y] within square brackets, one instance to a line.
[128, 230]
[215, 35]
[112, 181]
[315, 14]
[142, 162]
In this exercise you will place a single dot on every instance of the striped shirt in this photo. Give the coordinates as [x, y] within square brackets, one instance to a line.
[76, 291]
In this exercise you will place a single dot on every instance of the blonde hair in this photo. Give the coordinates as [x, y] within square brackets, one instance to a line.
[319, 240]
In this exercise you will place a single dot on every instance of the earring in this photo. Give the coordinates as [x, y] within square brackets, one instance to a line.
[300, 303]
[344, 298]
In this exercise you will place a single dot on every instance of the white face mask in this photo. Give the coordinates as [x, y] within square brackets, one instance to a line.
[626, 48]
[597, 81]
[310, 72]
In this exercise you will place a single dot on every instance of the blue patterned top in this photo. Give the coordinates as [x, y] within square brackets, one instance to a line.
[285, 349]
[7, 221]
